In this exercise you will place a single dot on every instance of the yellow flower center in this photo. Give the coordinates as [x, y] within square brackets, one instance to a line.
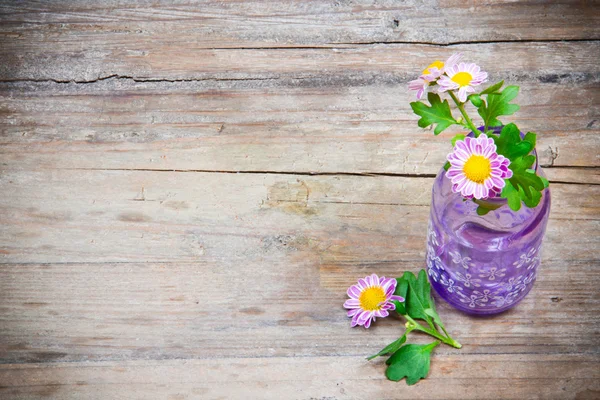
[371, 298]
[436, 64]
[477, 168]
[462, 78]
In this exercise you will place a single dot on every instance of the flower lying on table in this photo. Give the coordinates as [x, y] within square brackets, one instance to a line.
[495, 162]
[371, 297]
[410, 296]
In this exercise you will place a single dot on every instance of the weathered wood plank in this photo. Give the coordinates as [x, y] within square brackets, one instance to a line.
[232, 127]
[252, 308]
[75, 35]
[546, 62]
[461, 377]
[112, 216]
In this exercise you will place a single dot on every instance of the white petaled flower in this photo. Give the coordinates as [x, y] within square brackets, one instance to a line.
[476, 170]
[462, 77]
[371, 297]
[431, 74]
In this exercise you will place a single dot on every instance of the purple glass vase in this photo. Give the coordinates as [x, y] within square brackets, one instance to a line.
[483, 264]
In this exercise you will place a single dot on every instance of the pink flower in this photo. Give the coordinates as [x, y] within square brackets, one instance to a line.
[476, 170]
[462, 77]
[431, 74]
[371, 297]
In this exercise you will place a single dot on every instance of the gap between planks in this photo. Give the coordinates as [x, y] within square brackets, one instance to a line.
[328, 173]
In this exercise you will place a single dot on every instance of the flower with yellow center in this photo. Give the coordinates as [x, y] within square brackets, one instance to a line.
[431, 74]
[462, 77]
[476, 170]
[371, 297]
[436, 64]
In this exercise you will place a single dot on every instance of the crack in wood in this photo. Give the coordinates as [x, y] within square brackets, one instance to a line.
[302, 173]
[466, 43]
[326, 173]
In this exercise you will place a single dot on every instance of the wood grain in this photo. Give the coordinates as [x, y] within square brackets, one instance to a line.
[86, 216]
[188, 188]
[337, 377]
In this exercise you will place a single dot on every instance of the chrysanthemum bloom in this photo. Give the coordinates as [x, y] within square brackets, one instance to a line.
[371, 297]
[431, 73]
[462, 77]
[476, 170]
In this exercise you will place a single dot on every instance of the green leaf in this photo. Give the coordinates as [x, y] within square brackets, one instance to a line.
[475, 99]
[401, 290]
[418, 298]
[482, 210]
[390, 348]
[493, 89]
[485, 206]
[532, 198]
[411, 361]
[531, 138]
[447, 166]
[510, 145]
[439, 113]
[512, 195]
[457, 138]
[524, 182]
[499, 104]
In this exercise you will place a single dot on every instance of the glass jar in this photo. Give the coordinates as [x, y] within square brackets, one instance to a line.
[483, 264]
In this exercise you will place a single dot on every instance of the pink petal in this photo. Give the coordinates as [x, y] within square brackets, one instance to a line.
[374, 280]
[353, 292]
[362, 283]
[352, 303]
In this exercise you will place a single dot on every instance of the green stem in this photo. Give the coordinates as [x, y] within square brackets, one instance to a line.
[448, 340]
[461, 108]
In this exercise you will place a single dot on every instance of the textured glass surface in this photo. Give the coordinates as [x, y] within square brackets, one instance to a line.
[483, 264]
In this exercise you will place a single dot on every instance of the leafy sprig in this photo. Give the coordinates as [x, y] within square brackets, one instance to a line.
[525, 186]
[438, 113]
[412, 360]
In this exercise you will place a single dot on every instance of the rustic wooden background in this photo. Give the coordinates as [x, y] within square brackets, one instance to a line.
[188, 188]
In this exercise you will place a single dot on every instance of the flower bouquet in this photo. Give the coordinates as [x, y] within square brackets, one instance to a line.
[489, 209]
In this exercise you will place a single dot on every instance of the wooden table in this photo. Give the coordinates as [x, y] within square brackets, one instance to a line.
[188, 188]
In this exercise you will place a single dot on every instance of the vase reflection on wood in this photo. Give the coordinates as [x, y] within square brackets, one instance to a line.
[483, 264]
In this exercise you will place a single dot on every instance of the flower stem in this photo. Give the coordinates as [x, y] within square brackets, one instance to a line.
[432, 332]
[461, 108]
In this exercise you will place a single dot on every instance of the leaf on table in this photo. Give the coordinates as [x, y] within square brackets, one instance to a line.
[401, 290]
[411, 361]
[416, 302]
[390, 348]
[438, 113]
[498, 104]
[419, 304]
